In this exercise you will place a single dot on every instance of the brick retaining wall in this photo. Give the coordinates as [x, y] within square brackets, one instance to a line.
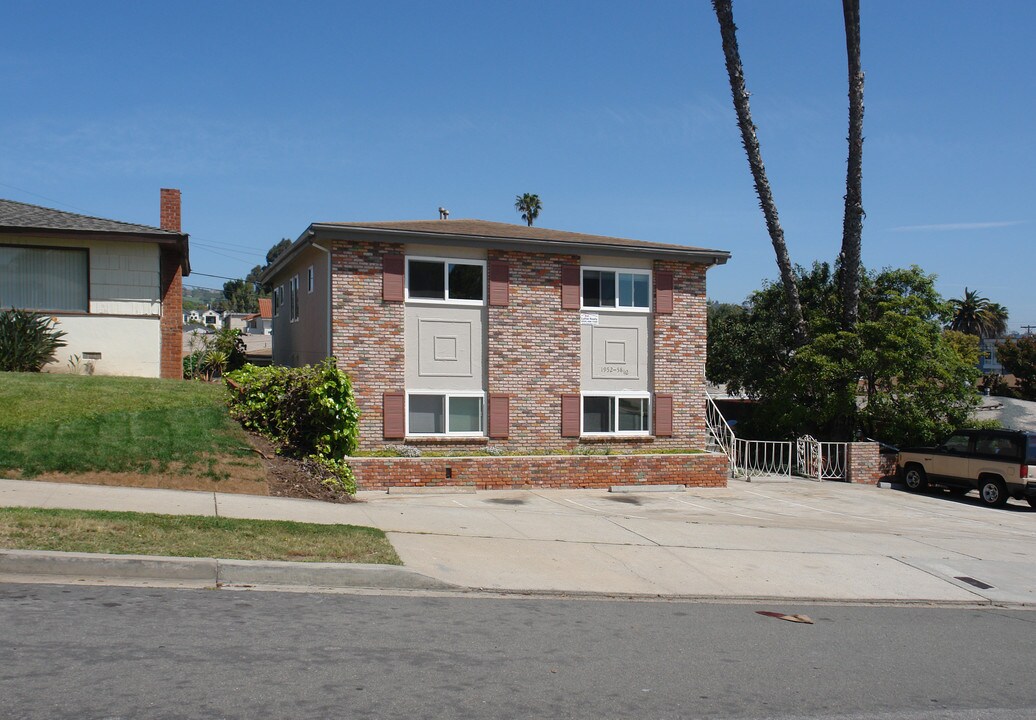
[541, 471]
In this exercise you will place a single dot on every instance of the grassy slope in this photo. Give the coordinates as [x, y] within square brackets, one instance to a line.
[124, 533]
[71, 423]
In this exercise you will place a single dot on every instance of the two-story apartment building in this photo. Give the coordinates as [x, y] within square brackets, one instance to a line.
[466, 333]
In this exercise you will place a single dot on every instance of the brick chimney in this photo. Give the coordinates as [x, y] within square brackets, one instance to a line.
[170, 210]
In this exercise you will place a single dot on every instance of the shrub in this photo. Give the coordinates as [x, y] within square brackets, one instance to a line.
[28, 341]
[310, 411]
[214, 355]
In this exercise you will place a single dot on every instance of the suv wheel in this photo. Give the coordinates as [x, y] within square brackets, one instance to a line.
[915, 478]
[993, 491]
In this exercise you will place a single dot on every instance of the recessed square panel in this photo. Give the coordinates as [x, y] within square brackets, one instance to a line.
[615, 353]
[444, 348]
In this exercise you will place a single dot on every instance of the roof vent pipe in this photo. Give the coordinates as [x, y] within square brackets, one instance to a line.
[444, 214]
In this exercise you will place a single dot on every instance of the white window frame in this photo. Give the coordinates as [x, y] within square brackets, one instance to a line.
[310, 278]
[446, 300]
[618, 271]
[293, 298]
[447, 394]
[637, 394]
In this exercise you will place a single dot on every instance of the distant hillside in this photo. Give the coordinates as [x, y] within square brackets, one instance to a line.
[201, 298]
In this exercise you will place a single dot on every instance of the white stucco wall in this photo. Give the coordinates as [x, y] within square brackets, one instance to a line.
[123, 323]
[127, 345]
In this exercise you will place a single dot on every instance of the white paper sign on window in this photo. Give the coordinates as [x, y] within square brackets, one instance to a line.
[589, 318]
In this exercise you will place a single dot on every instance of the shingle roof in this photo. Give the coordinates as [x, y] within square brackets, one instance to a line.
[508, 231]
[17, 215]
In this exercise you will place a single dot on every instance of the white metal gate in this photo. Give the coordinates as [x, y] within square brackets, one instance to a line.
[806, 456]
[820, 460]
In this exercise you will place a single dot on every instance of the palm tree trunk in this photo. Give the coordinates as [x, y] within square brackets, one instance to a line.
[852, 223]
[728, 31]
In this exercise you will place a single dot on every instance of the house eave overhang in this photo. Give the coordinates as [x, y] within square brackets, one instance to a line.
[180, 241]
[338, 232]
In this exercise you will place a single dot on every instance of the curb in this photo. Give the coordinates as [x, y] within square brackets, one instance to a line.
[214, 571]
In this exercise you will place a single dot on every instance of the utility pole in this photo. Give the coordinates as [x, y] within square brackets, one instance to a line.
[1028, 329]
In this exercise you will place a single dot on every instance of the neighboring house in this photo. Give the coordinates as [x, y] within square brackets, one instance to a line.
[115, 288]
[236, 321]
[987, 359]
[261, 323]
[192, 316]
[460, 333]
[211, 318]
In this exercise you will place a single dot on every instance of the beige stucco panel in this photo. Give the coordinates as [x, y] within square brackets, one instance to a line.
[128, 345]
[445, 251]
[616, 352]
[615, 263]
[445, 347]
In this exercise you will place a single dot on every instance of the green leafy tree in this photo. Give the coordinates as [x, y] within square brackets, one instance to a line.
[1018, 356]
[275, 252]
[240, 296]
[529, 206]
[895, 376]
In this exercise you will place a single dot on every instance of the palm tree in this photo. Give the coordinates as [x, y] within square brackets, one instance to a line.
[529, 206]
[728, 31]
[997, 326]
[975, 315]
[852, 222]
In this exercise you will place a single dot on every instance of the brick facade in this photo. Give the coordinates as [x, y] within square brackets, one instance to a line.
[679, 354]
[863, 463]
[533, 350]
[545, 471]
[366, 331]
[171, 271]
[171, 278]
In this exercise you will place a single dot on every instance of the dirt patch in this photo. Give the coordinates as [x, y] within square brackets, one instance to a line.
[288, 477]
[267, 473]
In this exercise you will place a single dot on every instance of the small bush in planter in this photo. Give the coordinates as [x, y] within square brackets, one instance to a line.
[28, 340]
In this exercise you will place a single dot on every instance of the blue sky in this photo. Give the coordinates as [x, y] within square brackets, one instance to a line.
[269, 116]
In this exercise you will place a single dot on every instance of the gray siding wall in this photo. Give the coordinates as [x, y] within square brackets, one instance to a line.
[304, 341]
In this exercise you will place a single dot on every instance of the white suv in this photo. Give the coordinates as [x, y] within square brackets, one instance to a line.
[998, 463]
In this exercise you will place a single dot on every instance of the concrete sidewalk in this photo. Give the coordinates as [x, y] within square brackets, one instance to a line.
[787, 540]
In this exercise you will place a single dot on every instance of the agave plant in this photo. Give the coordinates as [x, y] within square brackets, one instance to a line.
[28, 340]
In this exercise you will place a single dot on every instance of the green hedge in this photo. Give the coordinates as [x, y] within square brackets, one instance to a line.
[310, 411]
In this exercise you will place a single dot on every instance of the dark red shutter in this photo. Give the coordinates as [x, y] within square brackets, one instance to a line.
[499, 416]
[394, 421]
[571, 415]
[664, 292]
[570, 290]
[663, 415]
[392, 278]
[499, 282]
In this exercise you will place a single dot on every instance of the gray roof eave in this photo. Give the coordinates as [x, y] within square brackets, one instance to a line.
[317, 231]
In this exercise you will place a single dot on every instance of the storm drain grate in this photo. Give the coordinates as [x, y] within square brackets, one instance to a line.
[972, 581]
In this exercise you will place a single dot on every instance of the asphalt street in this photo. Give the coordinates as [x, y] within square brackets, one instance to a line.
[114, 652]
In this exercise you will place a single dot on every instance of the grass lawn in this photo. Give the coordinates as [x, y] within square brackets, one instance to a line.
[125, 533]
[78, 424]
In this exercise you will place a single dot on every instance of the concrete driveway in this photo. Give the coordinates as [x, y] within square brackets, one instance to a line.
[775, 539]
[787, 539]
